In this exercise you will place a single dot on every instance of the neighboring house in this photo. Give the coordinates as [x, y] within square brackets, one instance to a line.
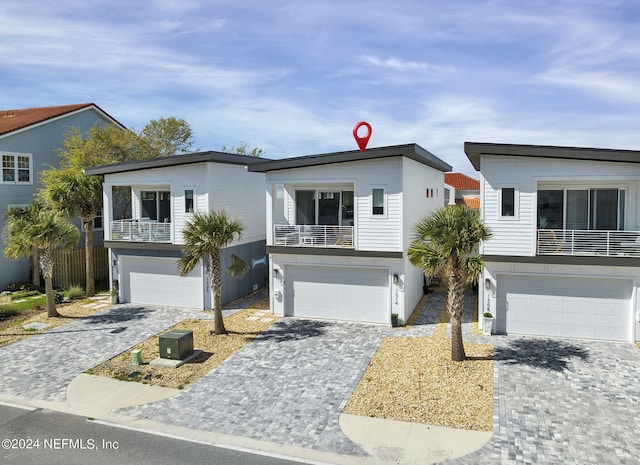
[564, 258]
[338, 229]
[146, 206]
[460, 189]
[29, 139]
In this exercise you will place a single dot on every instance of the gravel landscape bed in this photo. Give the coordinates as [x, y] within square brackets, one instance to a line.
[414, 379]
[215, 350]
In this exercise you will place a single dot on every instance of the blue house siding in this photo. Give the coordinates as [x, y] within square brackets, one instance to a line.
[41, 142]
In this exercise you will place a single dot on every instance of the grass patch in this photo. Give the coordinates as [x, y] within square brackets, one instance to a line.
[10, 310]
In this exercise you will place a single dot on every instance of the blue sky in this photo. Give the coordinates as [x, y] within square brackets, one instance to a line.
[294, 77]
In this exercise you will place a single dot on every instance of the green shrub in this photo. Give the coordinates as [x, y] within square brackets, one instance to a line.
[21, 287]
[75, 292]
[22, 294]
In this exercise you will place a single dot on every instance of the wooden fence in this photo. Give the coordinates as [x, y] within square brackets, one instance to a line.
[69, 268]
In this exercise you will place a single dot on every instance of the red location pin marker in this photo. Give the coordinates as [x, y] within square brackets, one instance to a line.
[362, 141]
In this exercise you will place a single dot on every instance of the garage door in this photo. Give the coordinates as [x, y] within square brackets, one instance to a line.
[152, 280]
[337, 293]
[564, 307]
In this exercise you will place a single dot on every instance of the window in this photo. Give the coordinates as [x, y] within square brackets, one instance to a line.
[377, 201]
[121, 200]
[97, 221]
[582, 209]
[155, 206]
[324, 207]
[16, 168]
[508, 202]
[188, 201]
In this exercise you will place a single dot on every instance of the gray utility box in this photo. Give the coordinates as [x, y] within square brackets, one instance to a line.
[177, 344]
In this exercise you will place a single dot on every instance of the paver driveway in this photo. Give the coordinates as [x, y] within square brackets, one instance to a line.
[288, 386]
[41, 366]
[564, 401]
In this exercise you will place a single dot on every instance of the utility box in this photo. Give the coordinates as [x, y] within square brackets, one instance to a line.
[177, 344]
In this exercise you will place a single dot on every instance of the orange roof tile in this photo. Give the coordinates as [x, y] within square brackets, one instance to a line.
[461, 182]
[13, 120]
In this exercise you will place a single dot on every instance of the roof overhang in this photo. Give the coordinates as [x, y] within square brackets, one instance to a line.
[412, 151]
[475, 150]
[176, 160]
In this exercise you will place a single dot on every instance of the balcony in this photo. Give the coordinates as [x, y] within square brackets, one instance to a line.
[588, 242]
[321, 236]
[140, 231]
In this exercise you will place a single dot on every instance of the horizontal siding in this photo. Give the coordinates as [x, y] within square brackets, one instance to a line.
[217, 186]
[519, 237]
[242, 194]
[384, 234]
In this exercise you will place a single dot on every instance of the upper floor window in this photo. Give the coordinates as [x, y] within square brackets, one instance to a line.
[582, 209]
[188, 201]
[508, 202]
[377, 201]
[16, 168]
[156, 206]
[324, 207]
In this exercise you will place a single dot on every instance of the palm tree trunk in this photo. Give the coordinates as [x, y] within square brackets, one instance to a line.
[46, 264]
[455, 301]
[35, 268]
[215, 275]
[88, 250]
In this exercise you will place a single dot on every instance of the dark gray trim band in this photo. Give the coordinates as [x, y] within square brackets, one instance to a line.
[564, 260]
[412, 151]
[141, 245]
[274, 249]
[176, 160]
[474, 151]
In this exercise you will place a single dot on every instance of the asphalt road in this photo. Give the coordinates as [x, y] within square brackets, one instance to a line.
[42, 436]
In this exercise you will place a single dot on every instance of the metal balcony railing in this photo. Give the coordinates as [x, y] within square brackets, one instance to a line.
[140, 231]
[313, 236]
[588, 242]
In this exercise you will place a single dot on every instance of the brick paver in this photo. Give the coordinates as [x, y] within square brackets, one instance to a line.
[41, 366]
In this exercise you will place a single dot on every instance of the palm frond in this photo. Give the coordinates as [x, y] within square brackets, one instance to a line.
[238, 266]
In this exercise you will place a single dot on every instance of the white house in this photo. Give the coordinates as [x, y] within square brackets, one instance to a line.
[338, 228]
[564, 259]
[146, 206]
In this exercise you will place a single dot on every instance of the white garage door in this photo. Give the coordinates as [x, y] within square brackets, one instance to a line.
[337, 293]
[589, 308]
[153, 280]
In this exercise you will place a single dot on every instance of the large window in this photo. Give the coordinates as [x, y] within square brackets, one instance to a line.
[324, 207]
[16, 168]
[581, 209]
[156, 206]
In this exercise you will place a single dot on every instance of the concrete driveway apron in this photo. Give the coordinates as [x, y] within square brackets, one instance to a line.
[41, 366]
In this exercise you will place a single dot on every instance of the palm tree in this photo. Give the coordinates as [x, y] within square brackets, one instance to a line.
[43, 229]
[445, 241]
[204, 237]
[17, 214]
[76, 194]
